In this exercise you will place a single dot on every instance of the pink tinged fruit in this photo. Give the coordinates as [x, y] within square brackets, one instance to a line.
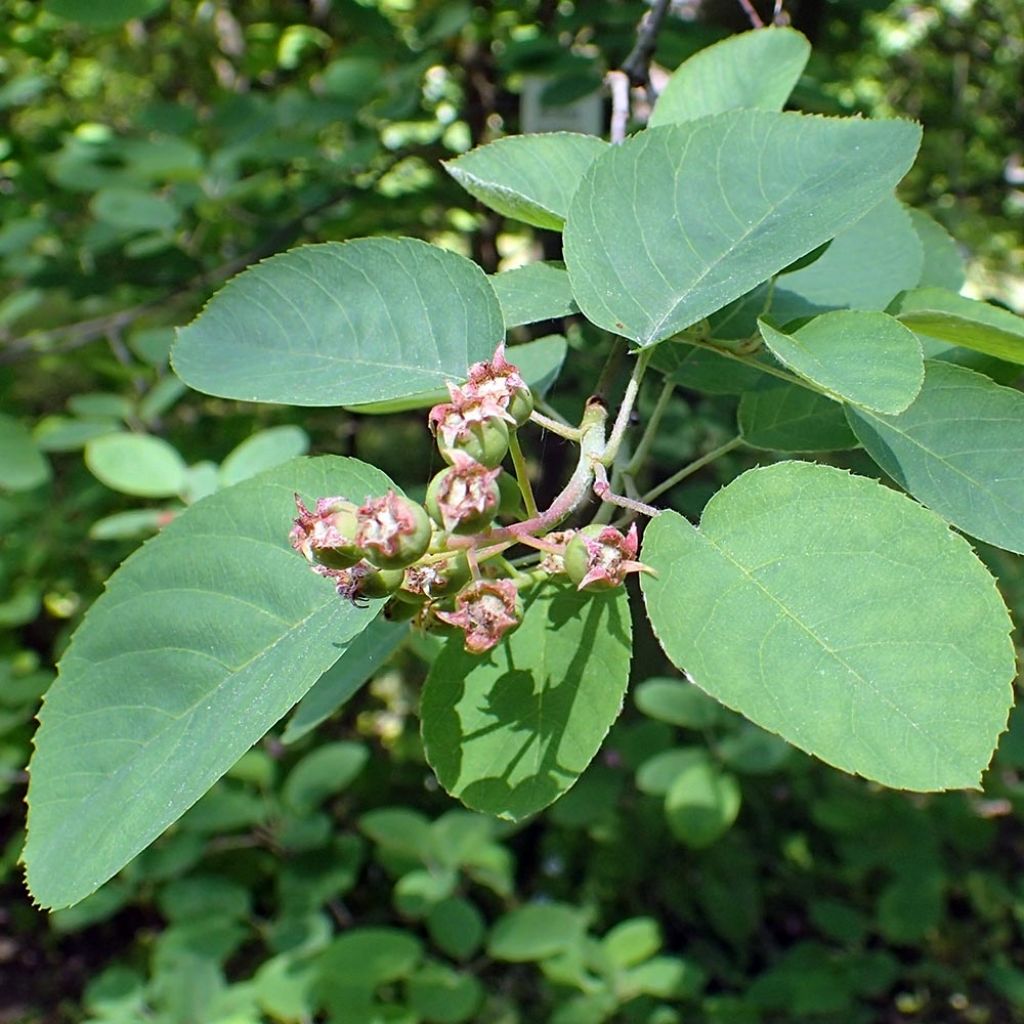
[600, 557]
[485, 611]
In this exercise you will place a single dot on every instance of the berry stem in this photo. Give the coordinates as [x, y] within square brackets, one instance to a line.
[522, 475]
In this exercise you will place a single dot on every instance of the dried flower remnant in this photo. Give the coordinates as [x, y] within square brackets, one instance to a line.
[500, 381]
[485, 611]
[600, 557]
[326, 534]
[393, 531]
[466, 496]
[474, 425]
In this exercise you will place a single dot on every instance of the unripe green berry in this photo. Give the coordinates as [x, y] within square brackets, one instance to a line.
[399, 610]
[379, 583]
[464, 498]
[344, 555]
[485, 442]
[393, 531]
[520, 405]
[599, 557]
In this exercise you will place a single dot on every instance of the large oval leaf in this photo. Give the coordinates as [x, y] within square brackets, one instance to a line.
[841, 615]
[538, 291]
[865, 267]
[959, 449]
[753, 69]
[677, 221]
[138, 464]
[341, 324]
[860, 356]
[203, 639]
[528, 177]
[784, 417]
[510, 733]
[938, 313]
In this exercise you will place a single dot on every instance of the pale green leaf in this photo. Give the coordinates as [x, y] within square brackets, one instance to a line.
[944, 266]
[841, 615]
[137, 464]
[538, 291]
[456, 927]
[64, 434]
[103, 13]
[959, 449]
[867, 358]
[539, 362]
[865, 267]
[203, 639]
[362, 656]
[134, 209]
[22, 465]
[263, 450]
[784, 417]
[633, 941]
[321, 773]
[678, 221]
[136, 522]
[752, 70]
[536, 932]
[946, 316]
[342, 324]
[509, 733]
[701, 804]
[677, 702]
[527, 177]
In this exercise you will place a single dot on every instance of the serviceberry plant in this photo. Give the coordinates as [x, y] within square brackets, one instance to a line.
[756, 257]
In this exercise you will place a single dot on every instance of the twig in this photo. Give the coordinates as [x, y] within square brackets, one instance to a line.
[618, 83]
[675, 478]
[755, 18]
[637, 66]
[522, 474]
[626, 407]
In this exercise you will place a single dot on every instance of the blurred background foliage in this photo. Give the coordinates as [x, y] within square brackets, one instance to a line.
[702, 871]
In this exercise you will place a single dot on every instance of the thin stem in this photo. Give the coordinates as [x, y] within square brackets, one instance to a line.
[626, 408]
[522, 474]
[772, 371]
[755, 18]
[556, 427]
[675, 478]
[650, 431]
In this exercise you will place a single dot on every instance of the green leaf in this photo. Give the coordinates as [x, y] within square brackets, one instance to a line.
[841, 615]
[677, 702]
[133, 523]
[134, 209]
[530, 178]
[366, 957]
[63, 434]
[456, 927]
[646, 259]
[203, 639]
[137, 464]
[103, 13]
[325, 771]
[509, 733]
[631, 942]
[940, 314]
[867, 358]
[865, 267]
[701, 804]
[536, 932]
[263, 450]
[342, 324]
[443, 996]
[959, 449]
[784, 417]
[754, 69]
[538, 291]
[539, 362]
[361, 657]
[22, 465]
[943, 264]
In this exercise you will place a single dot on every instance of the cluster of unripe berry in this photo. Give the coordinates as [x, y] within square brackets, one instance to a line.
[440, 564]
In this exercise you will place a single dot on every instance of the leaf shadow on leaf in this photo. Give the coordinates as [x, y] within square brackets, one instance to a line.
[535, 711]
